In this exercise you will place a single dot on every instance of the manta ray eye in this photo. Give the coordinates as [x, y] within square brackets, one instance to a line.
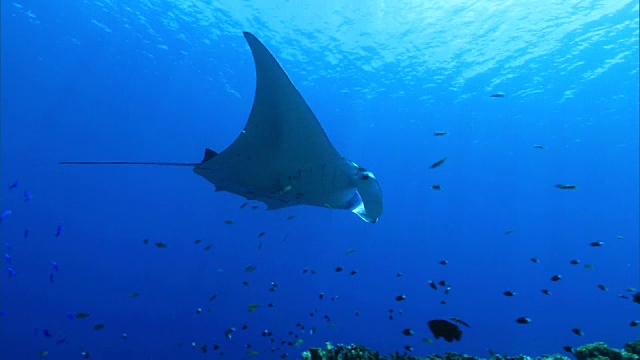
[365, 176]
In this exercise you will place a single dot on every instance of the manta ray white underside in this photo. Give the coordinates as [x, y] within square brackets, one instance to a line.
[283, 156]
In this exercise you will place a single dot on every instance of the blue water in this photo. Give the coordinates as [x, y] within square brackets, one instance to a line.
[162, 80]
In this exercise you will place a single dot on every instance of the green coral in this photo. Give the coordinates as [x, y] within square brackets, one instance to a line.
[633, 347]
[600, 351]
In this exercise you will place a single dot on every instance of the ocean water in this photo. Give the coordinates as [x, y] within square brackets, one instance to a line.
[162, 80]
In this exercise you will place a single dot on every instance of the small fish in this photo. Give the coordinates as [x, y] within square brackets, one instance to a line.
[51, 277]
[619, 237]
[577, 331]
[207, 248]
[408, 348]
[602, 287]
[5, 214]
[596, 243]
[291, 217]
[622, 296]
[566, 187]
[433, 285]
[427, 340]
[252, 307]
[556, 278]
[250, 268]
[353, 272]
[509, 293]
[442, 283]
[401, 297]
[160, 245]
[634, 323]
[574, 262]
[98, 326]
[82, 315]
[568, 349]
[398, 274]
[535, 260]
[523, 320]
[134, 294]
[47, 333]
[508, 232]
[261, 234]
[213, 297]
[350, 251]
[229, 331]
[321, 296]
[145, 241]
[124, 336]
[197, 241]
[85, 354]
[11, 272]
[438, 163]
[228, 222]
[244, 205]
[27, 196]
[339, 269]
[498, 95]
[459, 321]
[43, 353]
[439, 133]
[436, 187]
[55, 266]
[25, 234]
[245, 283]
[198, 311]
[589, 266]
[443, 262]
[14, 185]
[539, 147]
[7, 258]
[546, 292]
[59, 230]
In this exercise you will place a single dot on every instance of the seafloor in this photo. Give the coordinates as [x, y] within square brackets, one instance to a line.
[595, 351]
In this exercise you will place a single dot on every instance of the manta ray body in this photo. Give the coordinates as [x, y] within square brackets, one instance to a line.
[283, 157]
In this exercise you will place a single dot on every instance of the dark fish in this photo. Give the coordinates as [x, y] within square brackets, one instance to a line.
[556, 278]
[436, 187]
[622, 296]
[535, 260]
[439, 133]
[497, 95]
[46, 333]
[213, 297]
[353, 272]
[228, 222]
[509, 293]
[250, 268]
[339, 268]
[82, 315]
[574, 262]
[59, 230]
[245, 283]
[203, 348]
[408, 348]
[568, 349]
[261, 234]
[160, 245]
[538, 146]
[290, 217]
[577, 331]
[459, 321]
[98, 326]
[145, 241]
[596, 243]
[26, 233]
[321, 296]
[407, 332]
[508, 232]
[197, 241]
[433, 285]
[14, 185]
[602, 287]
[636, 297]
[442, 283]
[523, 320]
[398, 274]
[438, 163]
[401, 297]
[443, 262]
[546, 292]
[566, 187]
[634, 323]
[445, 329]
[244, 205]
[207, 248]
[50, 277]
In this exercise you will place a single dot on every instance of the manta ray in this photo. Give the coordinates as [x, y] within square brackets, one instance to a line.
[283, 157]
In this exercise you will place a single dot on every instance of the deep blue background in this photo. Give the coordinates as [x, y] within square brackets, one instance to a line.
[162, 81]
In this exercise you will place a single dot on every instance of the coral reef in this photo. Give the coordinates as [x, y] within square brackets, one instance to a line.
[595, 351]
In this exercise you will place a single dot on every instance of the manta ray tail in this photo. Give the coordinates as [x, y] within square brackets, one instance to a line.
[208, 155]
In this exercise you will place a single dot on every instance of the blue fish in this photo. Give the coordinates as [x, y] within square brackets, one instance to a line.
[27, 196]
[46, 333]
[14, 185]
[7, 258]
[55, 266]
[11, 272]
[5, 214]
